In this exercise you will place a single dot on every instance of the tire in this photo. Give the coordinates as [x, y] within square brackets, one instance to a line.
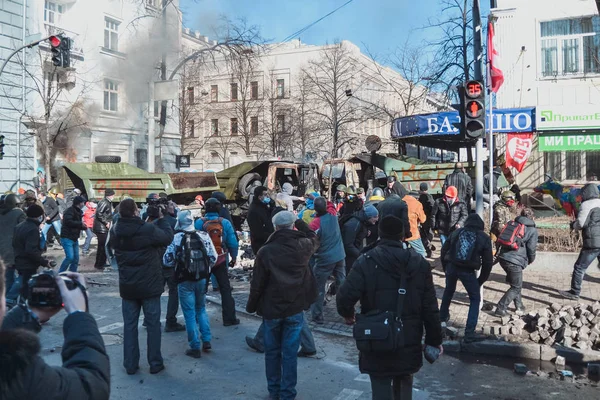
[247, 182]
[108, 159]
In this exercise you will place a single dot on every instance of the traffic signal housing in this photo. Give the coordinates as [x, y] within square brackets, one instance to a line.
[56, 50]
[65, 49]
[473, 109]
[1, 147]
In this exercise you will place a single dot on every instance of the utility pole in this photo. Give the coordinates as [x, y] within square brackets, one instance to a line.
[478, 60]
[151, 128]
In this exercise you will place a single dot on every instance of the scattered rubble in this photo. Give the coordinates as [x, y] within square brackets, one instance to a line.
[521, 369]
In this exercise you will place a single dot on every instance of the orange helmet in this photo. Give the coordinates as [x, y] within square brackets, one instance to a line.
[199, 198]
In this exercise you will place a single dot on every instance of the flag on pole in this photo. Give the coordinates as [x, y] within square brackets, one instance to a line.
[518, 149]
[496, 76]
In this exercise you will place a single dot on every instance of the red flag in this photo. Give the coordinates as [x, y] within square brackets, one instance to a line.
[495, 73]
[518, 149]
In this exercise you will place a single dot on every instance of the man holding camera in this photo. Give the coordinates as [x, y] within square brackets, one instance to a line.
[85, 373]
[102, 221]
[137, 246]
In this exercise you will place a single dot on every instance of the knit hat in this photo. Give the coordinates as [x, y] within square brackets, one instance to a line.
[11, 201]
[34, 211]
[423, 187]
[109, 192]
[77, 191]
[451, 192]
[185, 222]
[391, 227]
[212, 205]
[284, 218]
[371, 212]
[78, 200]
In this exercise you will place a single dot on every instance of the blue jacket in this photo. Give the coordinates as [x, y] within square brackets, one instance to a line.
[230, 241]
[331, 248]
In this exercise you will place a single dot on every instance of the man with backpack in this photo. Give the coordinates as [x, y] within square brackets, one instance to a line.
[466, 251]
[192, 255]
[517, 245]
[224, 239]
[448, 214]
[505, 210]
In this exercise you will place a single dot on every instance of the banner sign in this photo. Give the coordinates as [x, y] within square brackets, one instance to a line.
[518, 149]
[576, 116]
[505, 121]
[569, 142]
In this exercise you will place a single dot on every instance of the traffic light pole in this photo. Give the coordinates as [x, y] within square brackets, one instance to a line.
[151, 128]
[478, 61]
[27, 46]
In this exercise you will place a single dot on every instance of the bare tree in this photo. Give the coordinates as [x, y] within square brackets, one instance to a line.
[306, 137]
[223, 143]
[190, 110]
[278, 117]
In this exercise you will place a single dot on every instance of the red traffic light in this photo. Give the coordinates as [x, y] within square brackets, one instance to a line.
[54, 41]
[474, 89]
[474, 109]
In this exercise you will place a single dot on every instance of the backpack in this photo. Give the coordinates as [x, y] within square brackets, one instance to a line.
[511, 236]
[464, 245]
[214, 228]
[192, 263]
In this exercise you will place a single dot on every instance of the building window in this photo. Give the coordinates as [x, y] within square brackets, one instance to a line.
[254, 90]
[214, 93]
[234, 92]
[280, 88]
[153, 3]
[52, 12]
[214, 157]
[190, 91]
[592, 162]
[570, 46]
[192, 129]
[111, 95]
[281, 124]
[214, 127]
[111, 34]
[552, 164]
[141, 158]
[254, 126]
[234, 126]
[156, 109]
[573, 164]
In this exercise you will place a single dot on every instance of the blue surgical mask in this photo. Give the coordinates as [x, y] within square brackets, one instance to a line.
[266, 200]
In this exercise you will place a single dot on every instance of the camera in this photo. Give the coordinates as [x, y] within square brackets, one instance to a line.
[155, 206]
[44, 291]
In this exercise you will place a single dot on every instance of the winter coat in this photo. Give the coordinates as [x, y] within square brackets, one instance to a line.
[427, 202]
[350, 206]
[26, 244]
[85, 370]
[416, 216]
[72, 223]
[481, 249]
[170, 257]
[229, 239]
[282, 282]
[462, 182]
[588, 218]
[502, 214]
[315, 225]
[354, 232]
[9, 219]
[62, 206]
[88, 214]
[397, 189]
[287, 197]
[374, 280]
[103, 216]
[525, 254]
[51, 210]
[331, 248]
[445, 217]
[138, 248]
[394, 205]
[259, 222]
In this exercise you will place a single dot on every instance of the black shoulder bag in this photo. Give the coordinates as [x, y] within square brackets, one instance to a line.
[381, 331]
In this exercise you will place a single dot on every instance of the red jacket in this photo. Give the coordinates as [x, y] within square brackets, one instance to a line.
[316, 223]
[88, 215]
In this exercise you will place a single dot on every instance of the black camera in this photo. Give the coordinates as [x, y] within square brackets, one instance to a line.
[44, 291]
[155, 206]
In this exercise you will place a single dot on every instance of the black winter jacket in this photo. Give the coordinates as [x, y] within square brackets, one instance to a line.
[445, 217]
[525, 255]
[259, 222]
[394, 205]
[282, 282]
[51, 210]
[588, 217]
[354, 232]
[463, 184]
[72, 223]
[481, 251]
[103, 216]
[138, 247]
[9, 219]
[85, 372]
[374, 280]
[26, 244]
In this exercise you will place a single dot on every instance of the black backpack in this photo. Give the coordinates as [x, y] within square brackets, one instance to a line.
[191, 259]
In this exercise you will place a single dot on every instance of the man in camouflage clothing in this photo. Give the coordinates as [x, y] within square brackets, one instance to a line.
[505, 210]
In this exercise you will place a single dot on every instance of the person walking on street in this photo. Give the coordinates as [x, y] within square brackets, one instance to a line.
[376, 280]
[225, 240]
[425, 230]
[88, 220]
[466, 251]
[102, 222]
[448, 214]
[191, 255]
[329, 257]
[72, 225]
[505, 210]
[10, 216]
[259, 218]
[354, 231]
[282, 288]
[416, 216]
[515, 260]
[286, 195]
[462, 182]
[588, 222]
[71, 196]
[52, 217]
[137, 246]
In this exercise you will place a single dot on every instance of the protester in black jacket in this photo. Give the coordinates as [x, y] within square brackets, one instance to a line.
[448, 214]
[515, 261]
[466, 251]
[102, 220]
[354, 231]
[52, 218]
[85, 370]
[27, 247]
[10, 216]
[425, 229]
[462, 182]
[71, 230]
[259, 218]
[374, 281]
[137, 246]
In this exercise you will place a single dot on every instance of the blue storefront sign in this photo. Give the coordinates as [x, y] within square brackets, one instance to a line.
[518, 120]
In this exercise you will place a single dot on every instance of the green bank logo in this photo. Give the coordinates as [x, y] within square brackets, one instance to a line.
[551, 116]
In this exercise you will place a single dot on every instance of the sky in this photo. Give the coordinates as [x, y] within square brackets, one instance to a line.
[377, 25]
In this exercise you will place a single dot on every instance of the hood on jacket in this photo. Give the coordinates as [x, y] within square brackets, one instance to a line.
[475, 222]
[399, 189]
[391, 256]
[219, 196]
[287, 188]
[128, 226]
[525, 221]
[185, 222]
[589, 192]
